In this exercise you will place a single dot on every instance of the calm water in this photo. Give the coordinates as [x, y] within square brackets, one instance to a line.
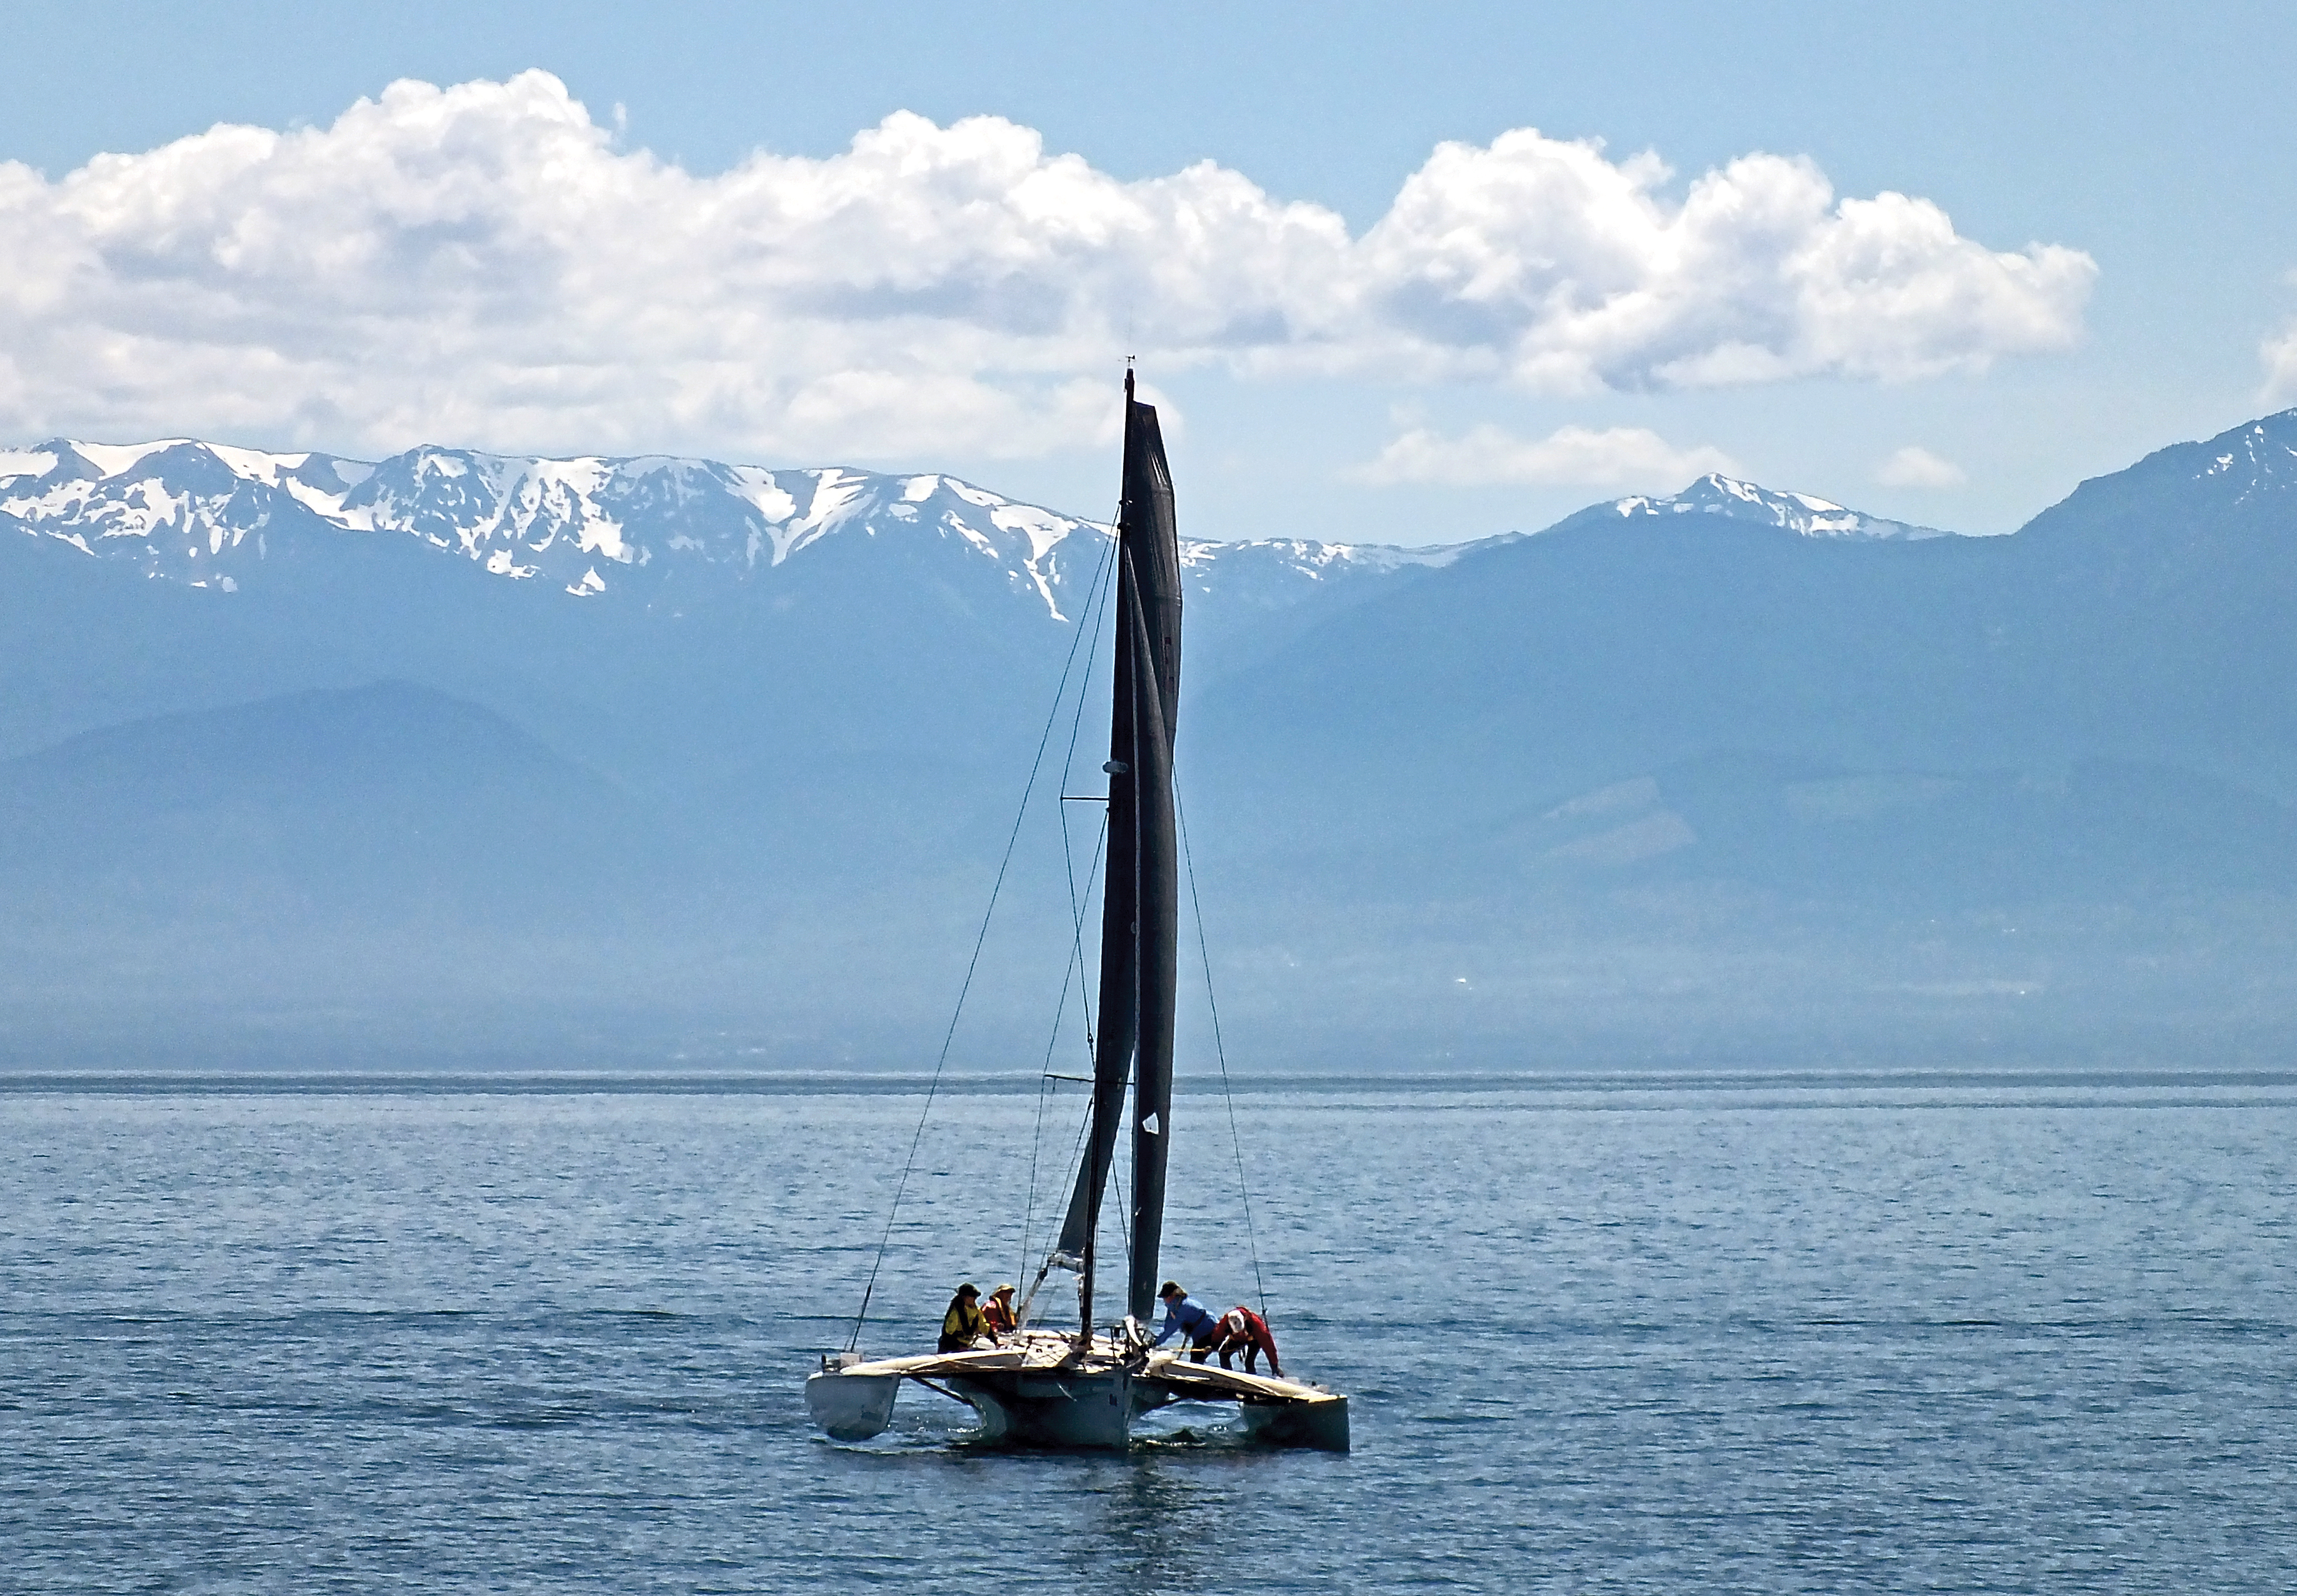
[1767, 1337]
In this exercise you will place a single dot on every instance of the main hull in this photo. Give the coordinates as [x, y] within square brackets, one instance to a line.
[1024, 1408]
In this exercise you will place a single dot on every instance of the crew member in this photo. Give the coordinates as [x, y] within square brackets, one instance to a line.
[1241, 1331]
[998, 1311]
[964, 1323]
[1185, 1315]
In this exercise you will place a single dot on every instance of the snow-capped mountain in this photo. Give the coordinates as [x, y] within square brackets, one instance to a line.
[1716, 494]
[213, 516]
[658, 531]
[2259, 457]
[1671, 764]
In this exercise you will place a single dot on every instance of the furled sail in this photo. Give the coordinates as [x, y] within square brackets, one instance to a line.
[1141, 899]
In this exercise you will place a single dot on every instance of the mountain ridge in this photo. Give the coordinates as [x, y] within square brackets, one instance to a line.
[574, 522]
[1718, 774]
[570, 521]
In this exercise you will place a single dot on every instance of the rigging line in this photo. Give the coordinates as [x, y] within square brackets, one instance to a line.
[1090, 615]
[1076, 1157]
[1045, 1083]
[965, 988]
[1102, 588]
[1084, 988]
[1037, 1136]
[1235, 1142]
[1084, 1005]
[1124, 1184]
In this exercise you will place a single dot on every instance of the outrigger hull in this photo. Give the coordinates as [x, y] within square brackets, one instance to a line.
[1042, 1395]
[850, 1406]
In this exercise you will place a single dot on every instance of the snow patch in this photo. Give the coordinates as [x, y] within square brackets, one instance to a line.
[250, 465]
[1804, 514]
[835, 493]
[112, 458]
[759, 488]
[1042, 528]
[330, 506]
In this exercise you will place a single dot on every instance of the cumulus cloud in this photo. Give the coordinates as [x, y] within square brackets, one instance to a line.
[1633, 457]
[1914, 468]
[484, 262]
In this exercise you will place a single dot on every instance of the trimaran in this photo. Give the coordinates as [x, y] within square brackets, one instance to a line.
[1084, 1388]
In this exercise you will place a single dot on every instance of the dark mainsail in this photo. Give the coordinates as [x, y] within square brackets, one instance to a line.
[1140, 922]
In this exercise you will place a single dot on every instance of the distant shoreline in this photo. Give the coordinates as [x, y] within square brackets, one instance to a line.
[1813, 1087]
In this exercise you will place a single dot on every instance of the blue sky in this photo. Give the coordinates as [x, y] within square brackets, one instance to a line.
[1322, 390]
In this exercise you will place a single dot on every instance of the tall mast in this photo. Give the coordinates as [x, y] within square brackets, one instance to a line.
[1140, 895]
[1152, 549]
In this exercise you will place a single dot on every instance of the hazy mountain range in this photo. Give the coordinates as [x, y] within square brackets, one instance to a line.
[556, 761]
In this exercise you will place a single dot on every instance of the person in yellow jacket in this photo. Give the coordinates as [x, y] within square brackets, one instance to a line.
[963, 1324]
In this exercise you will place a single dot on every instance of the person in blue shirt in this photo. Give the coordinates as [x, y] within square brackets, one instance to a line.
[1185, 1315]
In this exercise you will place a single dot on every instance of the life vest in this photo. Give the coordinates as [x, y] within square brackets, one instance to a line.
[1241, 1323]
[963, 1320]
[997, 1315]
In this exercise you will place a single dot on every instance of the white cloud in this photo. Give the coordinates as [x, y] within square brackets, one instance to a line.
[1915, 467]
[1631, 457]
[482, 263]
[1546, 261]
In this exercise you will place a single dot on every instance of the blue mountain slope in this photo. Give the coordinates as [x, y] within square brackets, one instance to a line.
[2144, 620]
[387, 803]
[1734, 770]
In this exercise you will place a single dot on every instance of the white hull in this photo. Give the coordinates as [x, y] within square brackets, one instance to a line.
[1026, 1409]
[1040, 1392]
[851, 1407]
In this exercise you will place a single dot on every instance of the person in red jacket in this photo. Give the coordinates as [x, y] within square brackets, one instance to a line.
[1243, 1330]
[998, 1311]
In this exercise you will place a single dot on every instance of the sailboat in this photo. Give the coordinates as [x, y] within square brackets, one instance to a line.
[1084, 1388]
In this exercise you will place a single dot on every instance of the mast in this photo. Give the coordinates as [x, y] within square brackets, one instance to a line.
[1140, 925]
[1152, 548]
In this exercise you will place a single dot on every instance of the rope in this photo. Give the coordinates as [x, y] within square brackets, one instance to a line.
[1095, 607]
[1085, 1003]
[1045, 1080]
[981, 938]
[1076, 1156]
[1235, 1142]
[1037, 1134]
[1091, 616]
[1102, 588]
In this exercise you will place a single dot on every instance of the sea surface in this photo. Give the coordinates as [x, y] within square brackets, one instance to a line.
[1762, 1334]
